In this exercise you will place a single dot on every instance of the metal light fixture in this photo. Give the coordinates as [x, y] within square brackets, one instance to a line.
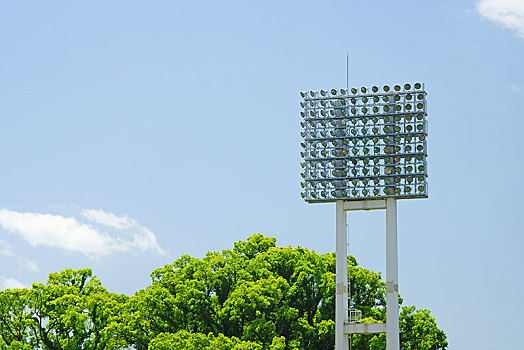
[364, 143]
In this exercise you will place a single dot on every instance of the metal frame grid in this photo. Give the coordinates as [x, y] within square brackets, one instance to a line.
[364, 143]
[355, 315]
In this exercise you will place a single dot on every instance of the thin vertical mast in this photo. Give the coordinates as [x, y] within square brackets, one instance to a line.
[347, 70]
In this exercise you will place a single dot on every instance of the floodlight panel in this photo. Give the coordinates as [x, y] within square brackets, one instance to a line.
[364, 143]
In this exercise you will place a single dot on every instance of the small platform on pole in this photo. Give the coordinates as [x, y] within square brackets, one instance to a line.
[354, 326]
[364, 328]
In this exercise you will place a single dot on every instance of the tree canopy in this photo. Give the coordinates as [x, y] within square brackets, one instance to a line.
[254, 296]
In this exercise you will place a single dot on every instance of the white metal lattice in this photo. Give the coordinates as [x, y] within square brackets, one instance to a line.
[367, 143]
[355, 315]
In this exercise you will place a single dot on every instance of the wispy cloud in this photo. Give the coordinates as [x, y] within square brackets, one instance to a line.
[7, 250]
[508, 13]
[73, 236]
[516, 88]
[109, 219]
[10, 283]
[143, 238]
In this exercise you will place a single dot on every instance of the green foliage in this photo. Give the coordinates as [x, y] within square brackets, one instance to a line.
[256, 296]
[184, 340]
[71, 311]
[418, 330]
[278, 297]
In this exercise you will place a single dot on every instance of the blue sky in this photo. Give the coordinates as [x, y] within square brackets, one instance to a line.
[132, 133]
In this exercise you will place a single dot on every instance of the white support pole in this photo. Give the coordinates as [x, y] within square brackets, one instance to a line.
[392, 322]
[341, 301]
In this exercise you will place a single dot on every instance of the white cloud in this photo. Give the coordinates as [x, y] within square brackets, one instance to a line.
[70, 235]
[7, 250]
[143, 237]
[509, 13]
[28, 264]
[515, 88]
[109, 219]
[10, 283]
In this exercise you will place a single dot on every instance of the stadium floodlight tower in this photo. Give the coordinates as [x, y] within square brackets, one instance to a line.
[364, 149]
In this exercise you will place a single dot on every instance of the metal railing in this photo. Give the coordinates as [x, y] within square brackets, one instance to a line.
[355, 315]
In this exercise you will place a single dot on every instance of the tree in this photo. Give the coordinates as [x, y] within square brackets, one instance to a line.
[256, 296]
[278, 297]
[71, 311]
[184, 340]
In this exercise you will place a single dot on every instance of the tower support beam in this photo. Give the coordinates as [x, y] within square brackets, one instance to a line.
[392, 322]
[341, 301]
